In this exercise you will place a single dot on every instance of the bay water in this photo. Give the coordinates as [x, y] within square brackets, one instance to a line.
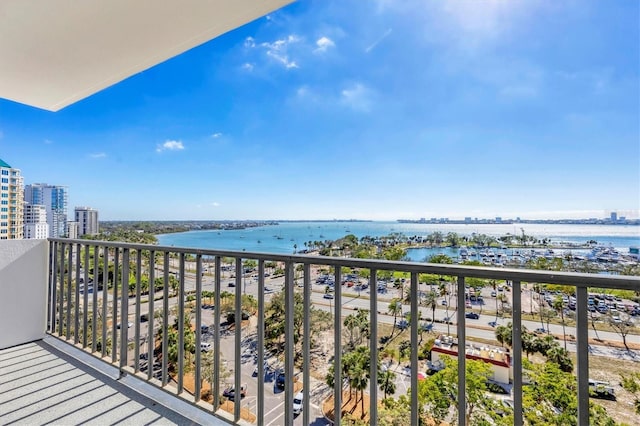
[287, 237]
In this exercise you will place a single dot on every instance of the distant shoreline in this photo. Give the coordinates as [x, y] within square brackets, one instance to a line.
[626, 222]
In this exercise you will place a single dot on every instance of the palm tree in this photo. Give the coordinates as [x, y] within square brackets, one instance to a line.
[431, 301]
[386, 381]
[560, 356]
[558, 305]
[350, 323]
[394, 308]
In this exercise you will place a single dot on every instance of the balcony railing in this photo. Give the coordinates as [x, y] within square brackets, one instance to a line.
[97, 288]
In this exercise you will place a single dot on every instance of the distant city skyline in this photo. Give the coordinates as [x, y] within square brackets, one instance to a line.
[365, 110]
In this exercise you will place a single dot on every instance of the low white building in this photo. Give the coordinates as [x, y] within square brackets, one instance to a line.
[498, 358]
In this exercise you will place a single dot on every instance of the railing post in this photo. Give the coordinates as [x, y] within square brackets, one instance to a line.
[516, 296]
[76, 292]
[260, 339]
[69, 286]
[105, 300]
[198, 349]
[582, 336]
[136, 339]
[151, 313]
[94, 304]
[181, 325]
[85, 301]
[216, 334]
[306, 343]
[114, 325]
[62, 326]
[462, 354]
[373, 347]
[53, 287]
[337, 350]
[415, 313]
[238, 339]
[289, 338]
[124, 317]
[165, 319]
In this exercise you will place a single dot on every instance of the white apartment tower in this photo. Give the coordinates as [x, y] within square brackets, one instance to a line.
[35, 222]
[87, 219]
[11, 192]
[54, 198]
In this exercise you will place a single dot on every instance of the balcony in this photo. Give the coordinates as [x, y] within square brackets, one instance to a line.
[142, 328]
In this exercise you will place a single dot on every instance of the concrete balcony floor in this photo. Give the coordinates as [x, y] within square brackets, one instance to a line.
[51, 382]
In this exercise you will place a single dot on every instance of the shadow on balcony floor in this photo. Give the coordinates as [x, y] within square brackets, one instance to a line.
[40, 383]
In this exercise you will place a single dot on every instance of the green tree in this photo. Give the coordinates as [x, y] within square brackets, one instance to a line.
[394, 308]
[431, 301]
[440, 391]
[386, 382]
[631, 383]
[558, 305]
[275, 322]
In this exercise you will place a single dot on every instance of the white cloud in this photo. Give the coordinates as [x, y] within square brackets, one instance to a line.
[247, 66]
[323, 44]
[278, 50]
[170, 146]
[249, 42]
[98, 155]
[375, 43]
[358, 97]
[283, 59]
[215, 204]
[216, 135]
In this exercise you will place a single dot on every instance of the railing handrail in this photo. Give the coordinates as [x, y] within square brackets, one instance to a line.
[576, 279]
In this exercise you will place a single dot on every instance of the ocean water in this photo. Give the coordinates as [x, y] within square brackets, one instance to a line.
[281, 238]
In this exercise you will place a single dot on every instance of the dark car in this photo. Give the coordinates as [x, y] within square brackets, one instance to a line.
[471, 315]
[231, 392]
[280, 380]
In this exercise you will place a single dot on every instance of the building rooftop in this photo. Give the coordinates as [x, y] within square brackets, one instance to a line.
[3, 164]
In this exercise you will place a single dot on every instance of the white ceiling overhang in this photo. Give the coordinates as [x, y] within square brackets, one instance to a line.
[56, 52]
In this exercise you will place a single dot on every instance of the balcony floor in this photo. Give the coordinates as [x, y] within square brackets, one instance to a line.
[41, 383]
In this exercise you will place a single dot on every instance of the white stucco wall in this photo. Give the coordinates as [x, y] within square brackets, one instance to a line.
[23, 291]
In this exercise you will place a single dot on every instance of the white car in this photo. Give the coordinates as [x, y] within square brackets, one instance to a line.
[297, 403]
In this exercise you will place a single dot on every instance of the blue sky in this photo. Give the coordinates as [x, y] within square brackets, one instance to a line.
[363, 109]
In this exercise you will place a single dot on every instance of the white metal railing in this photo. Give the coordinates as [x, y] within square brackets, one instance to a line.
[89, 302]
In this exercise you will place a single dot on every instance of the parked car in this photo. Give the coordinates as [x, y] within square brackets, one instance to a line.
[328, 296]
[280, 380]
[230, 392]
[297, 403]
[129, 325]
[205, 346]
[472, 315]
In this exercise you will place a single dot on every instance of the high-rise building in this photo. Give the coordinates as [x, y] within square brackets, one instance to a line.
[35, 222]
[11, 192]
[87, 219]
[54, 198]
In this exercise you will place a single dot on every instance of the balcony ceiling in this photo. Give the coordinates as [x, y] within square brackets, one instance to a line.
[56, 52]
